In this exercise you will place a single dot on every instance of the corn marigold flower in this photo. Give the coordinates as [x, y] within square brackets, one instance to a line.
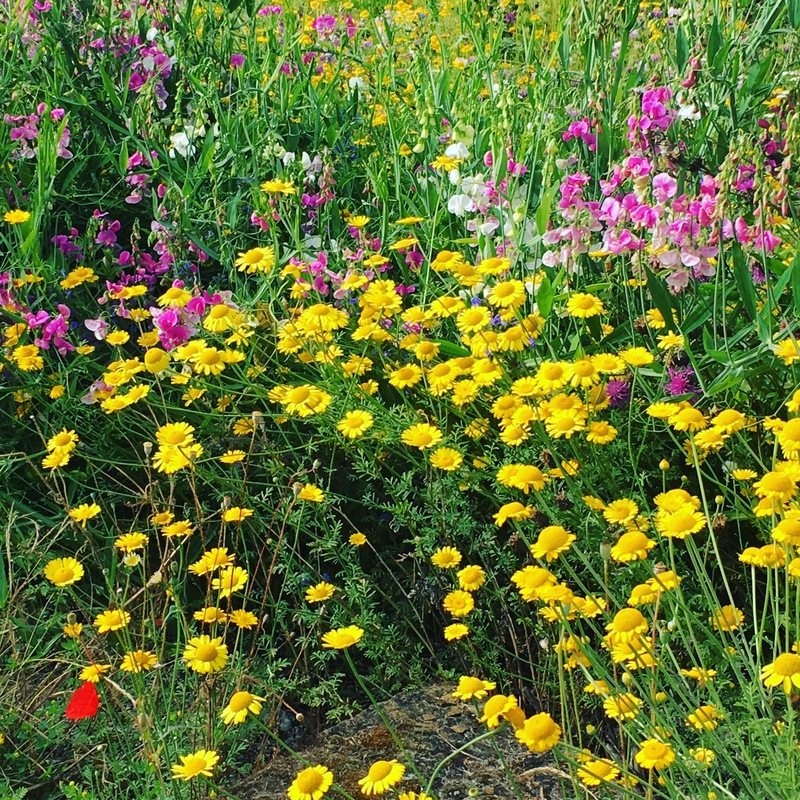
[243, 619]
[583, 306]
[446, 459]
[539, 733]
[63, 442]
[320, 593]
[632, 546]
[514, 510]
[620, 512]
[237, 514]
[210, 615]
[93, 672]
[654, 754]
[239, 706]
[622, 706]
[16, 216]
[230, 580]
[178, 528]
[455, 631]
[84, 512]
[342, 638]
[63, 571]
[459, 603]
[129, 542]
[446, 558]
[138, 661]
[705, 718]
[72, 630]
[311, 783]
[552, 542]
[470, 688]
[422, 435]
[776, 484]
[311, 493]
[471, 578]
[784, 671]
[212, 560]
[601, 433]
[498, 706]
[530, 581]
[113, 619]
[355, 424]
[627, 625]
[594, 772]
[357, 539]
[382, 775]
[201, 762]
[205, 655]
[175, 434]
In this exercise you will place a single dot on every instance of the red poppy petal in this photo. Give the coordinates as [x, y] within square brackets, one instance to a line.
[84, 702]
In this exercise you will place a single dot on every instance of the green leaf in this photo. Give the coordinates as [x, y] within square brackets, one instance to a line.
[744, 282]
[661, 297]
[545, 297]
[681, 49]
[793, 7]
[545, 206]
[794, 270]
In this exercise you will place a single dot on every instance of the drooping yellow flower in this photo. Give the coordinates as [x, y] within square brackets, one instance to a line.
[382, 775]
[540, 733]
[311, 783]
[239, 706]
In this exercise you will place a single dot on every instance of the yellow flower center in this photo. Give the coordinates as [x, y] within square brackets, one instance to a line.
[786, 665]
[309, 781]
[205, 652]
[63, 574]
[628, 620]
[240, 701]
[194, 765]
[379, 771]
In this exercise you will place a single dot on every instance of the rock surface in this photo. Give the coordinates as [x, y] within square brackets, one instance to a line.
[430, 724]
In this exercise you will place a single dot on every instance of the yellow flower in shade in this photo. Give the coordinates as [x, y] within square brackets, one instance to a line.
[703, 755]
[201, 762]
[239, 706]
[702, 675]
[706, 718]
[243, 619]
[205, 655]
[232, 456]
[16, 216]
[93, 672]
[446, 558]
[776, 484]
[210, 615]
[138, 661]
[63, 571]
[320, 593]
[446, 459]
[583, 306]
[514, 510]
[552, 542]
[342, 638]
[627, 625]
[311, 493]
[459, 603]
[129, 542]
[455, 631]
[784, 671]
[540, 733]
[73, 630]
[632, 546]
[593, 772]
[63, 442]
[422, 435]
[355, 424]
[357, 539]
[382, 775]
[654, 754]
[622, 706]
[230, 580]
[471, 578]
[470, 688]
[112, 620]
[310, 784]
[236, 514]
[84, 512]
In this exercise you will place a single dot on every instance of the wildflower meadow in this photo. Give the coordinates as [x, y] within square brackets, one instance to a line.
[348, 348]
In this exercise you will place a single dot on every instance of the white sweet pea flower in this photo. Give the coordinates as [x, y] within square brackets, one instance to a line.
[459, 204]
[457, 150]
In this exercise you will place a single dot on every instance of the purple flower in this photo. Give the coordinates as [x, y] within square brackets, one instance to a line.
[680, 381]
[619, 393]
[237, 60]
